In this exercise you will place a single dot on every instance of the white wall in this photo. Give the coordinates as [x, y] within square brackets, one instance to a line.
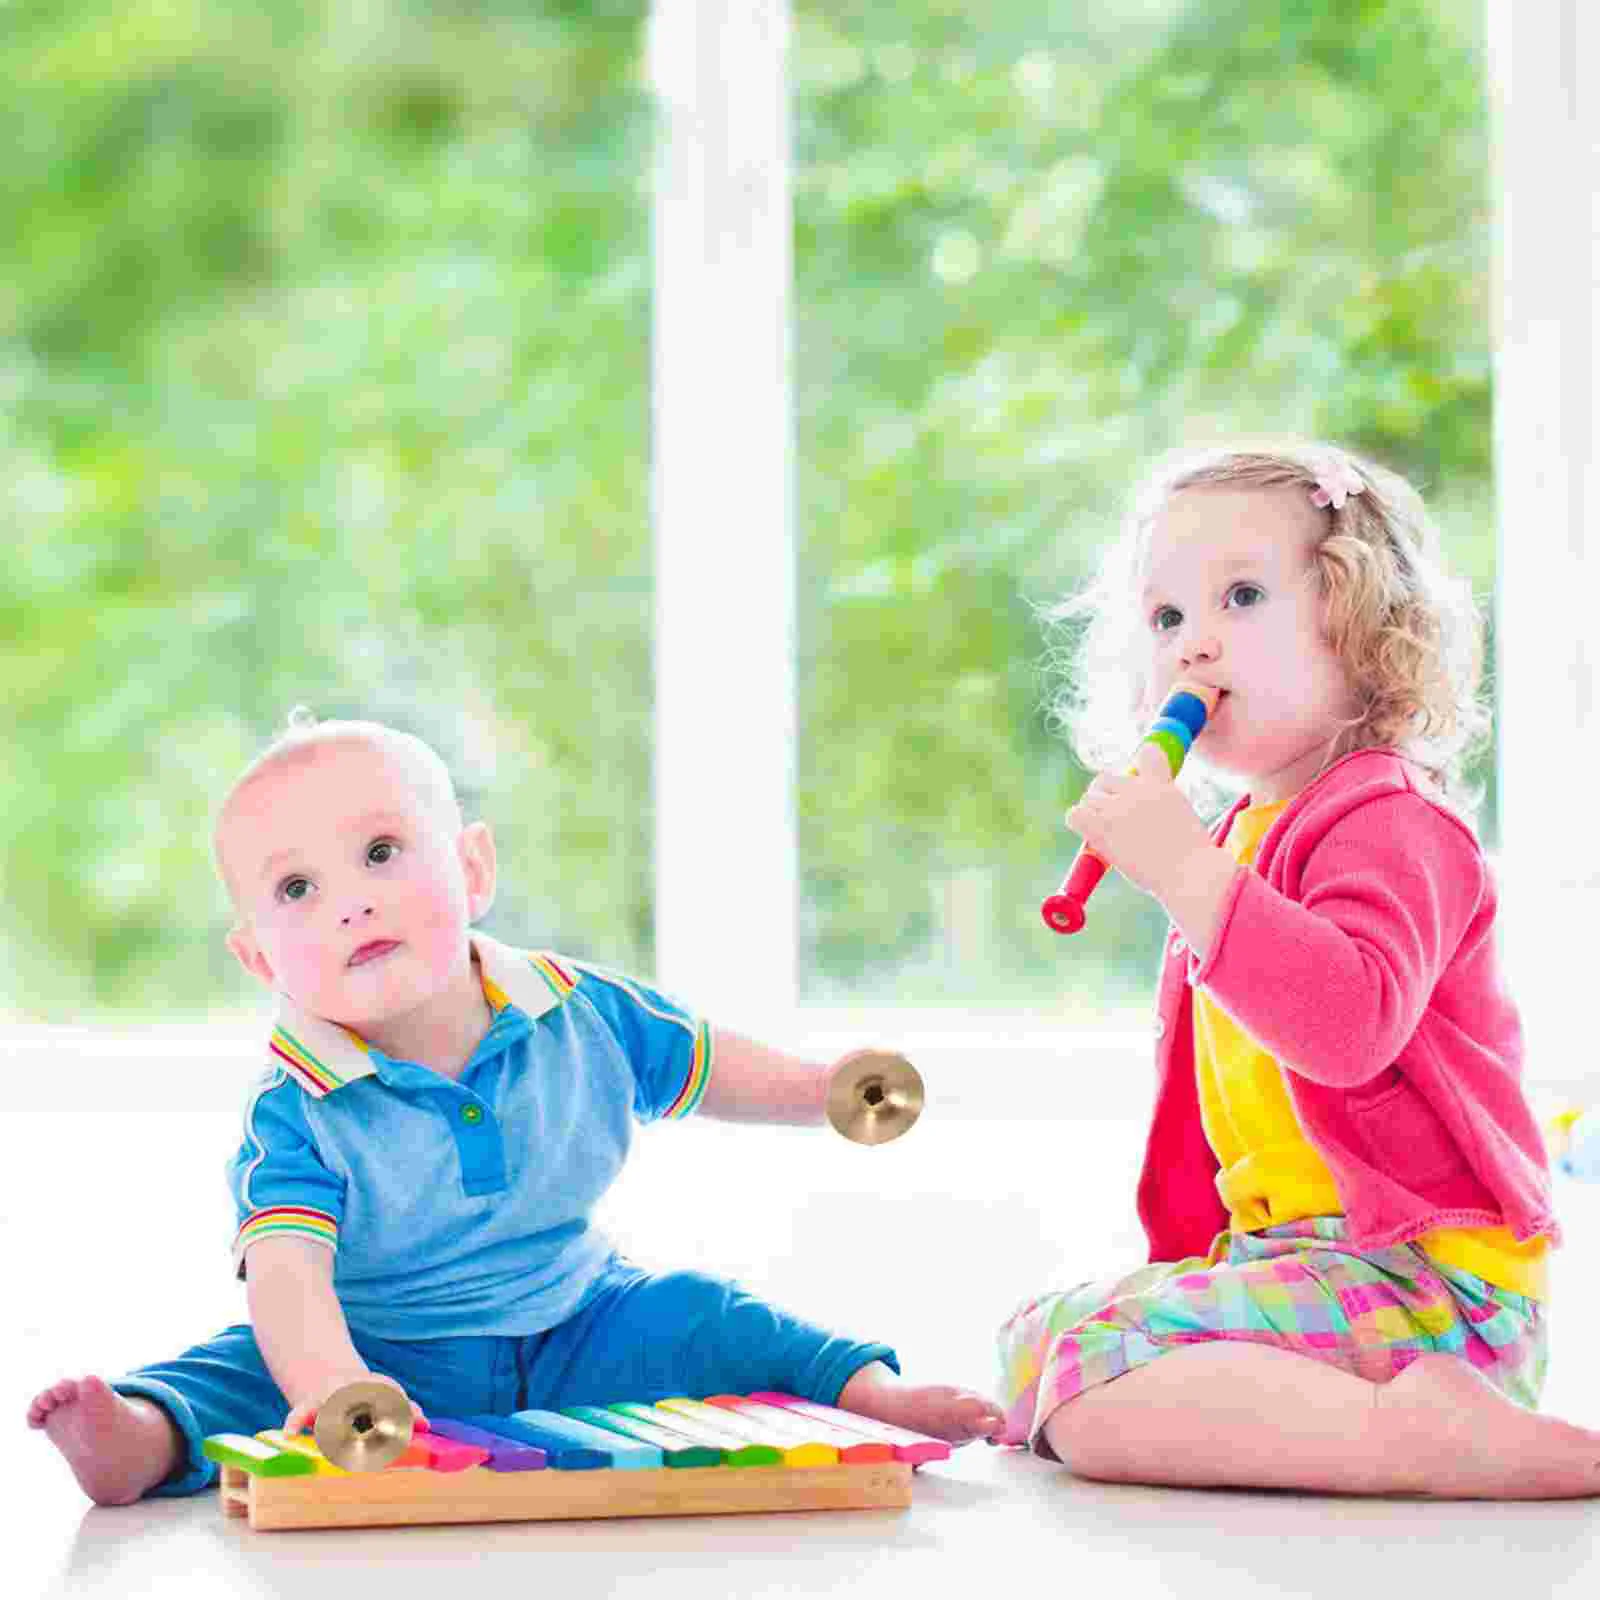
[1544, 64]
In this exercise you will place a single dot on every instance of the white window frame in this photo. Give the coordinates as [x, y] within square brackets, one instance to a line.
[1544, 69]
[726, 847]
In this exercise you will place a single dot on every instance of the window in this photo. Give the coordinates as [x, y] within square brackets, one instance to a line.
[324, 370]
[330, 379]
[1034, 245]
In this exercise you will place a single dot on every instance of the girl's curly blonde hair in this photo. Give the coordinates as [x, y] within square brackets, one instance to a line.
[1409, 632]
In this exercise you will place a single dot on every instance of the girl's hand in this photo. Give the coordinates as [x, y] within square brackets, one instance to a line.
[1141, 824]
[304, 1414]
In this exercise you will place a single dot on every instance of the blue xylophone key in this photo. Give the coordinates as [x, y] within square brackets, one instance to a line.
[627, 1454]
[569, 1446]
[677, 1449]
[563, 1455]
[505, 1454]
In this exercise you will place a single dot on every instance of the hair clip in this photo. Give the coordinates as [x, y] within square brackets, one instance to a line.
[1334, 485]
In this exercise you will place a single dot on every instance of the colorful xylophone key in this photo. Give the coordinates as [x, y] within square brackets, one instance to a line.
[571, 1445]
[504, 1454]
[908, 1446]
[445, 1454]
[301, 1444]
[678, 1450]
[255, 1457]
[737, 1450]
[798, 1428]
[586, 1462]
[792, 1453]
[434, 1451]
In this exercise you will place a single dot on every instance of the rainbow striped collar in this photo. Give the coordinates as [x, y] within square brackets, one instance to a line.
[322, 1056]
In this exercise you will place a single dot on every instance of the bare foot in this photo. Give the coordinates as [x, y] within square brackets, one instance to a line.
[117, 1447]
[957, 1416]
[1446, 1432]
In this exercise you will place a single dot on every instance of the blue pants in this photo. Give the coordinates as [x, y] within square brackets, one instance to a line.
[643, 1336]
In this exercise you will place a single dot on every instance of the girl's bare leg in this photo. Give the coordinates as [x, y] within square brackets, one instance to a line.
[1253, 1416]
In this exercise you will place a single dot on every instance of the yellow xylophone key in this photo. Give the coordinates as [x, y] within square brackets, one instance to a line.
[302, 1444]
[753, 1432]
[416, 1454]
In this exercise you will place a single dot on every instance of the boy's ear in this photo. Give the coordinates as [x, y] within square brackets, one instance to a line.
[476, 848]
[248, 953]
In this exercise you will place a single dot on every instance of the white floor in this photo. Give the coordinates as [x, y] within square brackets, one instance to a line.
[114, 1229]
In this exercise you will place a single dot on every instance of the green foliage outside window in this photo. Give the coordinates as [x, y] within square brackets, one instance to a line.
[1036, 244]
[324, 362]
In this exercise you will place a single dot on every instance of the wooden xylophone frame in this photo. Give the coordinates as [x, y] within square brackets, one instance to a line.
[403, 1495]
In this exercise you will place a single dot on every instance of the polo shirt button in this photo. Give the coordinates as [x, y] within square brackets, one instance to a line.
[1161, 1026]
[471, 1113]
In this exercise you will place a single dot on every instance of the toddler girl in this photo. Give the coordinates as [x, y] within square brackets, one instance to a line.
[1344, 1190]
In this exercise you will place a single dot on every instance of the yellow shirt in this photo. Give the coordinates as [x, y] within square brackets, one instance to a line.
[1269, 1173]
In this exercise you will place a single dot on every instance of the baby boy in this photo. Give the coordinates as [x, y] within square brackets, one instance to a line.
[420, 1161]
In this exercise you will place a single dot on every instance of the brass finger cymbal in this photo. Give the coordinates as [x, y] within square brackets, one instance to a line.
[874, 1096]
[363, 1426]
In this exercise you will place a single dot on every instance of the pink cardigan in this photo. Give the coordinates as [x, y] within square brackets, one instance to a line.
[1360, 952]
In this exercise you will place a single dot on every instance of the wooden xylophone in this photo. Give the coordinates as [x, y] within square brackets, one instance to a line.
[729, 1453]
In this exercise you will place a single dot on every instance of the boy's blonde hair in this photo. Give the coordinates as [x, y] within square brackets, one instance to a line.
[1408, 632]
[303, 732]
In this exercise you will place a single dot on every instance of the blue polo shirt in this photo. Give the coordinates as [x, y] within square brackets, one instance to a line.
[461, 1206]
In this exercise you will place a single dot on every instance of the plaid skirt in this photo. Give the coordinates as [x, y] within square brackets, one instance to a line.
[1297, 1286]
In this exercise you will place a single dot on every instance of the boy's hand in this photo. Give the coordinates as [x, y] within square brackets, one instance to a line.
[1141, 823]
[303, 1414]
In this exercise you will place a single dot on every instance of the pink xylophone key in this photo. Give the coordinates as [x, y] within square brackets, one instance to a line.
[415, 1454]
[503, 1454]
[450, 1455]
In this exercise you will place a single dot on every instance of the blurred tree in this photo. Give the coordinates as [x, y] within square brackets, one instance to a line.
[1036, 244]
[324, 377]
